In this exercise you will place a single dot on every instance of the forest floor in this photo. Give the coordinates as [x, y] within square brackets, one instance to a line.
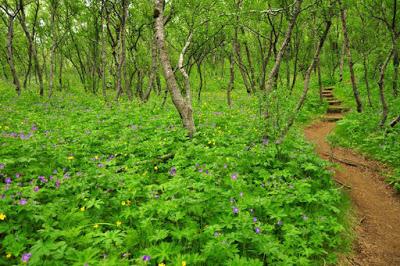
[376, 205]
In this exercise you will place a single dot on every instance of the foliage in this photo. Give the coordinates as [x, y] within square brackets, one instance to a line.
[91, 184]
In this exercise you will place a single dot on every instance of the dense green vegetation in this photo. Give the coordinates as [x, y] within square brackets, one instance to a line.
[102, 190]
[170, 132]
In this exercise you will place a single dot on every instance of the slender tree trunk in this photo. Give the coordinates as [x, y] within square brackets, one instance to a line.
[10, 53]
[60, 74]
[184, 107]
[395, 121]
[396, 63]
[122, 49]
[200, 81]
[350, 58]
[53, 46]
[231, 79]
[319, 78]
[381, 83]
[341, 64]
[306, 83]
[366, 79]
[242, 68]
[153, 71]
[275, 70]
[103, 52]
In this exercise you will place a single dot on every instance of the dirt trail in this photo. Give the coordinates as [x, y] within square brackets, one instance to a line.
[376, 205]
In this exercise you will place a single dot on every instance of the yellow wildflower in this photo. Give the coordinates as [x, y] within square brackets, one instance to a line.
[96, 157]
[2, 216]
[96, 226]
[183, 263]
[8, 256]
[82, 209]
[161, 264]
[70, 158]
[123, 203]
[118, 223]
[155, 168]
[128, 202]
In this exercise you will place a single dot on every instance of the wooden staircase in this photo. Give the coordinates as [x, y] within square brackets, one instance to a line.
[335, 109]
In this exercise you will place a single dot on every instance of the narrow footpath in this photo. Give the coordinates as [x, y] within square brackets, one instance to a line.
[376, 204]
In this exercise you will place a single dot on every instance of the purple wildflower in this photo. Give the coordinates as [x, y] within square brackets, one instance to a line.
[280, 223]
[257, 230]
[234, 176]
[36, 189]
[86, 264]
[254, 219]
[146, 258]
[200, 170]
[172, 172]
[66, 176]
[23, 202]
[34, 127]
[58, 184]
[265, 141]
[51, 177]
[55, 171]
[216, 234]
[235, 210]
[43, 179]
[100, 165]
[2, 165]
[26, 257]
[17, 175]
[8, 180]
[225, 166]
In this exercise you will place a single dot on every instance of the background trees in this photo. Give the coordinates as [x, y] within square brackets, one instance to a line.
[113, 45]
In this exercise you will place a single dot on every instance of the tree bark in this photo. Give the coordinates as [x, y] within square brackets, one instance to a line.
[275, 70]
[366, 79]
[122, 50]
[350, 58]
[183, 106]
[306, 83]
[381, 83]
[231, 79]
[53, 7]
[10, 53]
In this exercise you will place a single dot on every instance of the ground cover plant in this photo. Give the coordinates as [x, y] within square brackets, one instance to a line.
[123, 186]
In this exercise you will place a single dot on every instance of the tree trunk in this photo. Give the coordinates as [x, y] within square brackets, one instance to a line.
[10, 53]
[341, 65]
[306, 83]
[200, 81]
[242, 68]
[319, 78]
[366, 79]
[122, 49]
[381, 84]
[396, 63]
[183, 106]
[350, 58]
[53, 46]
[275, 70]
[231, 79]
[153, 71]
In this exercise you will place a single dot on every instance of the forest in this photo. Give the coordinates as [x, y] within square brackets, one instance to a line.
[199, 132]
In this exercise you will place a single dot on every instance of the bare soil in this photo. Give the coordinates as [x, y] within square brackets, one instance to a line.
[375, 203]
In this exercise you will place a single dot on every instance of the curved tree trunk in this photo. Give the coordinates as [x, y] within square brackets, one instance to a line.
[10, 53]
[350, 58]
[183, 106]
[381, 83]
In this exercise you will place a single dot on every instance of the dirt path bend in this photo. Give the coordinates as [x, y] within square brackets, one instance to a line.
[376, 204]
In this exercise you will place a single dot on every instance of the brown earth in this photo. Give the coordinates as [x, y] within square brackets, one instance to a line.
[376, 204]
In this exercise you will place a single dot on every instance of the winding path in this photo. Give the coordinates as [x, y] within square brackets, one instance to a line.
[376, 205]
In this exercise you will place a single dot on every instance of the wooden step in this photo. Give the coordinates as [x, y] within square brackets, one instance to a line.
[337, 110]
[327, 94]
[327, 91]
[329, 97]
[329, 88]
[332, 118]
[334, 102]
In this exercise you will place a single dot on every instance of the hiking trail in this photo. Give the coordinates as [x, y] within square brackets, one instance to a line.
[375, 203]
